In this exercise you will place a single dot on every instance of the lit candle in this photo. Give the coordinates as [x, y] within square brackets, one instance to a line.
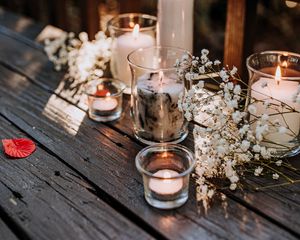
[277, 89]
[157, 109]
[105, 104]
[125, 44]
[165, 183]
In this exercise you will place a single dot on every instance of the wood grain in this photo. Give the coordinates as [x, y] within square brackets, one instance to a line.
[105, 158]
[50, 201]
[5, 232]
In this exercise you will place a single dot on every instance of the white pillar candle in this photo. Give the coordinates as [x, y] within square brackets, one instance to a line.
[283, 91]
[104, 104]
[157, 107]
[175, 23]
[124, 45]
[166, 186]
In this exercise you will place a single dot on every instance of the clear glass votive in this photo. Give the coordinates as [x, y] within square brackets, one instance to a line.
[155, 91]
[274, 78]
[104, 99]
[129, 31]
[166, 171]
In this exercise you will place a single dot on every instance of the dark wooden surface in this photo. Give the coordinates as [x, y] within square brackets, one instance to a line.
[81, 183]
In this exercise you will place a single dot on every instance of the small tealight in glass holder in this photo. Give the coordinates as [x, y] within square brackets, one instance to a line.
[166, 171]
[104, 99]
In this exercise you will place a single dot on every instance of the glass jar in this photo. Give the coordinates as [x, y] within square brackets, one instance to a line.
[129, 31]
[166, 170]
[274, 92]
[155, 91]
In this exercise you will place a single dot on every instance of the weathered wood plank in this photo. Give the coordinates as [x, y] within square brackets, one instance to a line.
[106, 158]
[5, 232]
[25, 26]
[50, 80]
[50, 201]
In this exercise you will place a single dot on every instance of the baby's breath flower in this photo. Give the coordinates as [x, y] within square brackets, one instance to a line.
[275, 176]
[278, 163]
[233, 186]
[217, 62]
[258, 171]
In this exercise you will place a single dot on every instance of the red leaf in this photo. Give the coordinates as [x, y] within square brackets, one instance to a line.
[19, 147]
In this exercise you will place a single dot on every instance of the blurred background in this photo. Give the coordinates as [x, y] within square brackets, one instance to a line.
[273, 25]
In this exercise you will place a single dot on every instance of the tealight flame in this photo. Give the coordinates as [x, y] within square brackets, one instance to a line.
[278, 75]
[100, 87]
[284, 64]
[136, 30]
[167, 175]
[131, 24]
[164, 154]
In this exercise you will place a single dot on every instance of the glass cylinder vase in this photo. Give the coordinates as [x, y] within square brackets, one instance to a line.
[129, 31]
[274, 94]
[155, 91]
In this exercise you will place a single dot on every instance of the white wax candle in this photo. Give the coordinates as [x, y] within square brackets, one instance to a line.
[157, 109]
[168, 185]
[104, 104]
[282, 92]
[124, 45]
[175, 23]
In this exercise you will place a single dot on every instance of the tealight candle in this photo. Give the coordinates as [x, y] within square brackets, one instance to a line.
[166, 170]
[165, 183]
[105, 99]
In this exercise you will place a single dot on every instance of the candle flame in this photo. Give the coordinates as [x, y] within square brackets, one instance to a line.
[100, 87]
[278, 75]
[284, 64]
[131, 24]
[136, 30]
[108, 94]
[164, 155]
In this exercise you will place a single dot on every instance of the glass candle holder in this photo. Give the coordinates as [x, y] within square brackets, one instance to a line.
[104, 99]
[155, 91]
[274, 90]
[166, 171]
[129, 31]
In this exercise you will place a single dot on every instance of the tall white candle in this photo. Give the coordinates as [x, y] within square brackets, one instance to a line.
[175, 23]
[166, 184]
[277, 89]
[125, 44]
[157, 106]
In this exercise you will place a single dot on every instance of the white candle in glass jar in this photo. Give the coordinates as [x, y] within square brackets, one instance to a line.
[124, 45]
[282, 90]
[157, 106]
[165, 183]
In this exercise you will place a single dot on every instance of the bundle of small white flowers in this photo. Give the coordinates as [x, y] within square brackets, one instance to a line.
[227, 142]
[84, 59]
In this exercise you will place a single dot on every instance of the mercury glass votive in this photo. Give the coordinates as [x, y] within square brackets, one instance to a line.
[166, 170]
[155, 91]
[274, 78]
[129, 31]
[104, 99]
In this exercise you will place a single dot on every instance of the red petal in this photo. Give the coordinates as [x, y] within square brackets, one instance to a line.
[19, 147]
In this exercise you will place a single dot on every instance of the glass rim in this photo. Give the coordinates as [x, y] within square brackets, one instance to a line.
[155, 47]
[131, 15]
[121, 87]
[270, 52]
[190, 154]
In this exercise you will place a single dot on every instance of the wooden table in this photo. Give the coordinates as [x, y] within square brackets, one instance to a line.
[81, 183]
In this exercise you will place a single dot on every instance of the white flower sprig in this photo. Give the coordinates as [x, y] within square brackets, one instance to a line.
[83, 58]
[229, 138]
